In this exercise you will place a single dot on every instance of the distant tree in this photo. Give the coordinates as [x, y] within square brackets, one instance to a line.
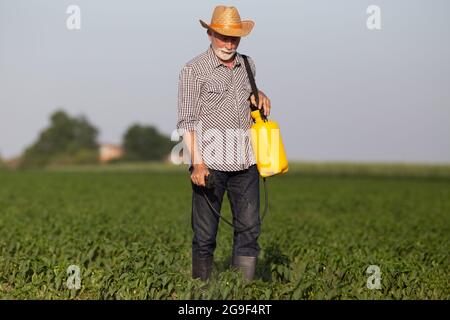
[68, 140]
[143, 143]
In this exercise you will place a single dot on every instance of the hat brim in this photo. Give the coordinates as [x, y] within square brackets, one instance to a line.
[247, 27]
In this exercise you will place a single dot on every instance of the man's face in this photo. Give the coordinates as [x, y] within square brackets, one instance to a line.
[224, 46]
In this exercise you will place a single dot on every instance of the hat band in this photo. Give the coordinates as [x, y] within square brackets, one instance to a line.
[225, 26]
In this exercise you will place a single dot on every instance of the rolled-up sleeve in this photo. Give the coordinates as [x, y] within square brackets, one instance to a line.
[188, 100]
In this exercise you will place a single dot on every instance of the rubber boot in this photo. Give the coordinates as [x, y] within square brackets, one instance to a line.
[245, 264]
[201, 267]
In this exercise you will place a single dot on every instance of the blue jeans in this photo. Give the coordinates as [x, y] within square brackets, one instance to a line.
[243, 192]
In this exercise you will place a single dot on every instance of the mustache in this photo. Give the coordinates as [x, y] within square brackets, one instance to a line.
[227, 51]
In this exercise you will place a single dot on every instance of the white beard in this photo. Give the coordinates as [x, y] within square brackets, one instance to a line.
[224, 54]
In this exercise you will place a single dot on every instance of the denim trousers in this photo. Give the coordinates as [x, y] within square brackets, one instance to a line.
[242, 188]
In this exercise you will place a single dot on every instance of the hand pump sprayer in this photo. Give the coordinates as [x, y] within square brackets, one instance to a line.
[268, 150]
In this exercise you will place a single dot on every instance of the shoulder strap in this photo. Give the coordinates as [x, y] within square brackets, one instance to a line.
[253, 85]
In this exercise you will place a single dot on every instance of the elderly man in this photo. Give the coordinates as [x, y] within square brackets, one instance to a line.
[214, 118]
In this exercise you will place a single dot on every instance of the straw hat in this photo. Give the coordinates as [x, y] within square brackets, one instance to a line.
[226, 21]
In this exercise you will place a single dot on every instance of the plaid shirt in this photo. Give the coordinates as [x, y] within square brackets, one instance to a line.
[213, 101]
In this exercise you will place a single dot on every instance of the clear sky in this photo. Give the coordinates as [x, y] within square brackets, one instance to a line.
[339, 91]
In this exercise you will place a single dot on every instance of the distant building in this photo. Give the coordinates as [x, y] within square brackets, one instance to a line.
[13, 163]
[109, 152]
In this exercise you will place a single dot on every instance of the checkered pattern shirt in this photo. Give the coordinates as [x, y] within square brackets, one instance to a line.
[213, 102]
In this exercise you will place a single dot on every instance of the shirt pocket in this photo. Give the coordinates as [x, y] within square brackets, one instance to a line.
[244, 94]
[215, 97]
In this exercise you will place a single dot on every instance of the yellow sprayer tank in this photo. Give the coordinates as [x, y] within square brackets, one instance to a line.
[268, 146]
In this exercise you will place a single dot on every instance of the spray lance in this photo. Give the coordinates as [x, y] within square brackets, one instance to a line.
[268, 149]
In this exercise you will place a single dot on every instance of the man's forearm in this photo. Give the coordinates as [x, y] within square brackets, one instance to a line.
[190, 141]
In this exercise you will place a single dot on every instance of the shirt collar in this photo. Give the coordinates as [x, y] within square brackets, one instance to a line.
[215, 61]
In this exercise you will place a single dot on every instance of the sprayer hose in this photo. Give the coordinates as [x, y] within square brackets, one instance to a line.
[266, 207]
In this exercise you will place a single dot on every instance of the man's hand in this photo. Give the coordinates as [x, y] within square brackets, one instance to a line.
[199, 173]
[264, 102]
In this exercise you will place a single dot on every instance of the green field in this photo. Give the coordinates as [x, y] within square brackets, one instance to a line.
[128, 230]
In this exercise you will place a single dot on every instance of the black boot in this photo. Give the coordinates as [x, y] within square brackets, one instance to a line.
[245, 264]
[201, 267]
